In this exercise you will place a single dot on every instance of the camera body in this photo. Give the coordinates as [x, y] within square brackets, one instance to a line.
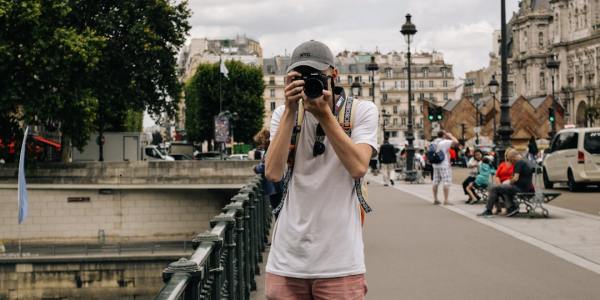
[314, 84]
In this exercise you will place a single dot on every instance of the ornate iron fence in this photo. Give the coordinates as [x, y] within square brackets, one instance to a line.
[227, 257]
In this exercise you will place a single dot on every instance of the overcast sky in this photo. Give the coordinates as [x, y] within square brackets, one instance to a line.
[461, 29]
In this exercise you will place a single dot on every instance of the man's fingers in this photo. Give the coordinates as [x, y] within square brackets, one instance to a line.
[290, 76]
[295, 84]
[294, 91]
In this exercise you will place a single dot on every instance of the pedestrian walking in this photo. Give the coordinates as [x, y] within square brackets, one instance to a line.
[387, 157]
[439, 156]
[532, 150]
[317, 249]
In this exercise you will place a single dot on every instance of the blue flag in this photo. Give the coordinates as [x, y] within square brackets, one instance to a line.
[22, 189]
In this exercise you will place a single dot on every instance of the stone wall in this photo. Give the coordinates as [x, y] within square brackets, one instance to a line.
[123, 215]
[120, 279]
[135, 172]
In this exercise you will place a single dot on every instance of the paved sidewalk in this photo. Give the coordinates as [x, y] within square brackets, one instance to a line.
[569, 234]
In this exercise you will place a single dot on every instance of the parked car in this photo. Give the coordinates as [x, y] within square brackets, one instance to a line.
[211, 155]
[238, 157]
[181, 157]
[574, 158]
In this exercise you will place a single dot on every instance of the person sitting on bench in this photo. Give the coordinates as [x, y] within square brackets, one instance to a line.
[482, 180]
[473, 165]
[521, 182]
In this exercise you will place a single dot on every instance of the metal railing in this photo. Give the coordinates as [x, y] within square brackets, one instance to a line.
[226, 257]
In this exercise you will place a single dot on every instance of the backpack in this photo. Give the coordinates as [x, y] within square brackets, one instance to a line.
[434, 156]
[345, 116]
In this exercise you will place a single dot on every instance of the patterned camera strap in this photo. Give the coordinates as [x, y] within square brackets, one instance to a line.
[346, 122]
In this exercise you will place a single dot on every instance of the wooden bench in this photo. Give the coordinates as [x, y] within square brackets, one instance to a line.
[535, 201]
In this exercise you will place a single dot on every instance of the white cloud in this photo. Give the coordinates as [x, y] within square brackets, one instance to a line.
[461, 29]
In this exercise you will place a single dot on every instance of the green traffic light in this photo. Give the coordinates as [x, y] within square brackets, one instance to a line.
[439, 117]
[551, 119]
[430, 118]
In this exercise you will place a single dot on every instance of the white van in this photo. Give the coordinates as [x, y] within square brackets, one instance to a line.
[574, 158]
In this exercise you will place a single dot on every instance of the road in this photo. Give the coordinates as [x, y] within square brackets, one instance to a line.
[586, 201]
[418, 251]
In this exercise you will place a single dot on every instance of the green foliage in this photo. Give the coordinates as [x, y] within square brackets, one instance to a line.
[134, 121]
[242, 93]
[82, 64]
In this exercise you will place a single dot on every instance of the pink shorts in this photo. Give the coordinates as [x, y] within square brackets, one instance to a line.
[289, 288]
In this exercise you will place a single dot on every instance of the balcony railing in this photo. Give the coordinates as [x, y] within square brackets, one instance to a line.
[226, 257]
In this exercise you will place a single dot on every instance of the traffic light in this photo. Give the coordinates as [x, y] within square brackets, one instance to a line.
[439, 113]
[551, 116]
[431, 113]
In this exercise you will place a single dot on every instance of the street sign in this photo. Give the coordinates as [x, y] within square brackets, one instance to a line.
[477, 129]
[221, 129]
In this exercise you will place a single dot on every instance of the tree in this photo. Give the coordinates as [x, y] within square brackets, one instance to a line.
[46, 63]
[242, 93]
[87, 64]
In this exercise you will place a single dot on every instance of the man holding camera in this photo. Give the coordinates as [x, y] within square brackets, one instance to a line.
[317, 248]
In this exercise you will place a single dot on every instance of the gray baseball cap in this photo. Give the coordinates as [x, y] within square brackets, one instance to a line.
[313, 54]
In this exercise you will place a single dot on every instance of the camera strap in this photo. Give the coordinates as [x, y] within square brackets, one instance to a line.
[343, 111]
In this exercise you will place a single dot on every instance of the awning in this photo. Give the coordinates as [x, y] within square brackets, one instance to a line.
[47, 141]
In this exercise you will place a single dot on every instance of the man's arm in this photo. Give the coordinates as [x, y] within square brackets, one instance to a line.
[452, 138]
[281, 130]
[354, 157]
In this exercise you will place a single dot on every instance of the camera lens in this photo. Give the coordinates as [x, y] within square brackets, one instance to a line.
[313, 88]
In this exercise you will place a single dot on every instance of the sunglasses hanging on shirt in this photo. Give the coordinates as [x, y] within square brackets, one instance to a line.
[319, 146]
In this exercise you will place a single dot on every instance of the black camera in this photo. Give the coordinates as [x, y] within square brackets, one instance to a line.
[314, 84]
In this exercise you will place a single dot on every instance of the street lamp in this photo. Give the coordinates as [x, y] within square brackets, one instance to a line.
[408, 31]
[493, 86]
[355, 88]
[553, 65]
[505, 131]
[373, 67]
[385, 116]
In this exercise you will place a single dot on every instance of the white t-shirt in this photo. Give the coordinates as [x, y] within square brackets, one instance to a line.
[443, 145]
[318, 233]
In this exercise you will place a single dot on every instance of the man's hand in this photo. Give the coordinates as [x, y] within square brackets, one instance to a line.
[319, 107]
[293, 91]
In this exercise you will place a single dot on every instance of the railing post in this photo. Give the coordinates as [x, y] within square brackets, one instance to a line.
[215, 269]
[182, 270]
[243, 222]
[232, 235]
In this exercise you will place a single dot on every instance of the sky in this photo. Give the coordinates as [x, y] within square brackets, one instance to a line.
[461, 29]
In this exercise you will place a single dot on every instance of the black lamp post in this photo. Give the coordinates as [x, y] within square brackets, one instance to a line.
[553, 65]
[408, 31]
[505, 131]
[493, 86]
[355, 88]
[373, 67]
[385, 116]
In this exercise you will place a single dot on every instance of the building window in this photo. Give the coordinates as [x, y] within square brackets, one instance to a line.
[542, 81]
[430, 83]
[358, 78]
[389, 73]
[445, 96]
[421, 84]
[445, 83]
[394, 133]
[541, 40]
[395, 84]
[403, 121]
[338, 79]
[395, 121]
[272, 93]
[383, 85]
[371, 79]
[395, 109]
[444, 72]
[371, 92]
[272, 80]
[421, 95]
[349, 79]
[430, 96]
[425, 72]
[421, 108]
[272, 105]
[360, 92]
[385, 97]
[402, 84]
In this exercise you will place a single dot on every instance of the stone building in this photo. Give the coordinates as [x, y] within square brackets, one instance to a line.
[432, 82]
